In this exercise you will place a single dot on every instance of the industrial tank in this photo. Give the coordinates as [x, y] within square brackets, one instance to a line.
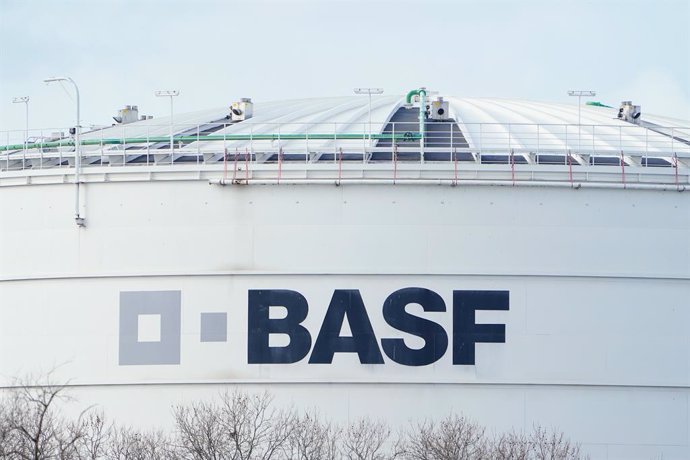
[518, 262]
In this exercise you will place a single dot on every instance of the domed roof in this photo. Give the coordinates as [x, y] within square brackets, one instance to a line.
[480, 130]
[489, 123]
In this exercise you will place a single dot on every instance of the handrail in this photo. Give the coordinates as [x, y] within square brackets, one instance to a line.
[310, 143]
[211, 137]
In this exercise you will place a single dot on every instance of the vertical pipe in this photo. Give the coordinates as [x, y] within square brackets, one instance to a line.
[172, 146]
[422, 119]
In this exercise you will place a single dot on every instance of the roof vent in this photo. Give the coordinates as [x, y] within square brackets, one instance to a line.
[439, 109]
[127, 115]
[629, 112]
[242, 110]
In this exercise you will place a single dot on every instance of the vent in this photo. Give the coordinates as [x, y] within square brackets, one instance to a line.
[242, 110]
[129, 114]
[629, 112]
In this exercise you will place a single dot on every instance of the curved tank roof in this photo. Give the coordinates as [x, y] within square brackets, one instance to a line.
[484, 122]
[316, 130]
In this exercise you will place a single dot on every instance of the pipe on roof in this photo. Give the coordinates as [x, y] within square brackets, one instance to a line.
[597, 104]
[213, 137]
[421, 92]
[415, 92]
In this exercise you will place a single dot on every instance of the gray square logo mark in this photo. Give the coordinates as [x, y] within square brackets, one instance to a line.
[214, 327]
[161, 346]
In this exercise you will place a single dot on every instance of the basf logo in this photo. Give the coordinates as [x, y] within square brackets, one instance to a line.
[316, 346]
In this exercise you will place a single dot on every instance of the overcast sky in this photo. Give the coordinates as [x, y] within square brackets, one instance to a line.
[121, 51]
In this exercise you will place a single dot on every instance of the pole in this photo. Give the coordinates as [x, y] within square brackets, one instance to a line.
[369, 91]
[25, 101]
[579, 95]
[77, 153]
[77, 150]
[26, 125]
[170, 94]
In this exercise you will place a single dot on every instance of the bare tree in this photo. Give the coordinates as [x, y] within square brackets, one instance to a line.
[553, 445]
[95, 436]
[453, 438]
[33, 429]
[312, 438]
[365, 439]
[241, 427]
[200, 432]
[6, 433]
[512, 446]
[129, 444]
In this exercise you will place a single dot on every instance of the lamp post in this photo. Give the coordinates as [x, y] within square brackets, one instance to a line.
[25, 101]
[170, 94]
[579, 95]
[81, 222]
[369, 91]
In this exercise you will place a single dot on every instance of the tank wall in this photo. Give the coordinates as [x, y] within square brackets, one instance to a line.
[558, 330]
[189, 226]
[595, 339]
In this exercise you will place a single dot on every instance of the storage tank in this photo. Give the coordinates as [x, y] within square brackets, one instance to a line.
[511, 261]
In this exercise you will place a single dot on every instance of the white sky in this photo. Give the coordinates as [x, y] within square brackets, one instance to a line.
[215, 52]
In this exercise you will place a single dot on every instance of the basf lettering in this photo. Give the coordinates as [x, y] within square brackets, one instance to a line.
[150, 327]
[348, 303]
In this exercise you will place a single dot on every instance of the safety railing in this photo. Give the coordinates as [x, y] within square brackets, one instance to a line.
[310, 143]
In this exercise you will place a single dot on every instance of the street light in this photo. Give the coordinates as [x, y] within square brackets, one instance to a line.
[369, 91]
[25, 101]
[579, 95]
[170, 94]
[81, 222]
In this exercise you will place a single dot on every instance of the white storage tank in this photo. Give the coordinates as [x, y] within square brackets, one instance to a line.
[509, 263]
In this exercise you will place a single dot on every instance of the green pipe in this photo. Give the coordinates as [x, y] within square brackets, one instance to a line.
[598, 104]
[414, 92]
[421, 92]
[215, 137]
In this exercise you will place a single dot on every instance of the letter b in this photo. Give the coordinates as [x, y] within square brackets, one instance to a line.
[261, 326]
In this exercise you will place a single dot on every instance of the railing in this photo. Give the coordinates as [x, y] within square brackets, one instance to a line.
[310, 143]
